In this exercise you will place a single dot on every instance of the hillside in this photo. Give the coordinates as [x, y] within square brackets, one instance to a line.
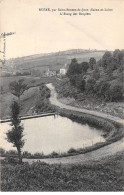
[41, 62]
[95, 85]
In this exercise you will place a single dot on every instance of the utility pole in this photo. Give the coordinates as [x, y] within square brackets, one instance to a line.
[3, 36]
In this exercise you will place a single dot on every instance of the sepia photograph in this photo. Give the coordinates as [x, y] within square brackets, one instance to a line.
[61, 96]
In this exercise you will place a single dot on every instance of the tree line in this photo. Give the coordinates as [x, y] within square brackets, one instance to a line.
[103, 78]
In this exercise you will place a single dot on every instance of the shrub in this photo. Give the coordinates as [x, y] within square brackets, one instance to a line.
[90, 85]
[10, 160]
[92, 63]
[116, 93]
[80, 83]
[96, 74]
[84, 66]
[103, 175]
[43, 104]
[104, 90]
[72, 150]
[54, 154]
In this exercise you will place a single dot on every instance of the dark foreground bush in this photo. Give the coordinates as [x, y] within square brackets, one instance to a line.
[10, 160]
[104, 175]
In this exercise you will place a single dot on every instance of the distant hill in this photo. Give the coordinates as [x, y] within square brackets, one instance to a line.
[55, 60]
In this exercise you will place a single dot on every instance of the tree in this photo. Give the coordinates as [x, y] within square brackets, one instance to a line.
[118, 58]
[92, 63]
[90, 85]
[17, 88]
[74, 68]
[73, 79]
[107, 60]
[15, 135]
[104, 90]
[116, 92]
[84, 66]
[96, 74]
[80, 83]
[99, 63]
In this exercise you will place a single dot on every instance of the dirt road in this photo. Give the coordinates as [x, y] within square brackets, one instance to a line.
[55, 101]
[81, 158]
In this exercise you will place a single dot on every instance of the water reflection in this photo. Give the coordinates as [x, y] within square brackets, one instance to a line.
[51, 133]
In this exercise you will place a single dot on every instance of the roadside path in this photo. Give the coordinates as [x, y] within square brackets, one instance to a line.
[56, 102]
[105, 151]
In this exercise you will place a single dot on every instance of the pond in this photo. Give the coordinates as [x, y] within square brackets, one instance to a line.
[48, 134]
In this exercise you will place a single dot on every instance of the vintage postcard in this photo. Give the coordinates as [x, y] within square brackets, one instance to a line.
[61, 95]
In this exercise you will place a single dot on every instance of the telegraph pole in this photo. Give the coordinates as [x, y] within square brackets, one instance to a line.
[3, 36]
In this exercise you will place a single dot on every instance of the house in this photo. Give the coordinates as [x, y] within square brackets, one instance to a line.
[55, 70]
[63, 70]
[50, 73]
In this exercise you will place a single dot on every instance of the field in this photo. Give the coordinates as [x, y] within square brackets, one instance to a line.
[104, 175]
[29, 80]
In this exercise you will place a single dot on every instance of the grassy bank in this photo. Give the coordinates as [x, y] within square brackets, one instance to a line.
[113, 131]
[104, 175]
[110, 128]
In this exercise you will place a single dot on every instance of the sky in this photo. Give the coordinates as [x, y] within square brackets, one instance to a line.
[44, 31]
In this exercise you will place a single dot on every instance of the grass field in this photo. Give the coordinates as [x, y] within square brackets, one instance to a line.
[29, 80]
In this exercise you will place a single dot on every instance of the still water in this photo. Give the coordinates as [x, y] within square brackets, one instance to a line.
[48, 134]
